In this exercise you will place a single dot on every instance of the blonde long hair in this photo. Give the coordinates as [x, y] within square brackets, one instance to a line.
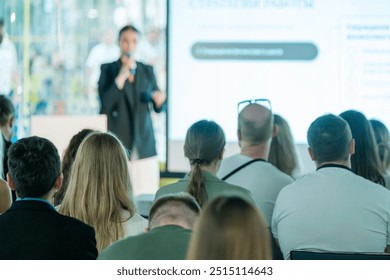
[282, 152]
[229, 228]
[100, 187]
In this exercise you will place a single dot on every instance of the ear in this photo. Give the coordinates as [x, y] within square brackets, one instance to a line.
[10, 182]
[276, 130]
[239, 135]
[11, 122]
[221, 154]
[58, 183]
[313, 158]
[352, 147]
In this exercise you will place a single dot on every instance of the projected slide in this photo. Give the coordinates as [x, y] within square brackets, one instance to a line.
[309, 57]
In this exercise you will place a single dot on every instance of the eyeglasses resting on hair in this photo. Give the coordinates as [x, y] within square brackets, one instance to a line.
[261, 101]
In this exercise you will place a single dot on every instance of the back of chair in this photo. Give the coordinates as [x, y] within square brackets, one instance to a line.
[326, 255]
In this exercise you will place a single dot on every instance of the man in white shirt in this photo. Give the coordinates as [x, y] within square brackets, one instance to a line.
[8, 65]
[262, 179]
[104, 52]
[332, 209]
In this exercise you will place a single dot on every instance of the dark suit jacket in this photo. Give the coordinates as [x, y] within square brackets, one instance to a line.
[127, 110]
[35, 230]
[167, 242]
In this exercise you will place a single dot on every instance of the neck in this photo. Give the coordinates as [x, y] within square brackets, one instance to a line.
[6, 134]
[212, 168]
[170, 222]
[345, 163]
[255, 151]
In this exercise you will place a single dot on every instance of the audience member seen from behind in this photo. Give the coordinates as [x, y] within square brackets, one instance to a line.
[365, 161]
[67, 162]
[229, 228]
[332, 208]
[5, 192]
[204, 146]
[99, 189]
[282, 153]
[382, 137]
[5, 196]
[34, 229]
[171, 220]
[7, 120]
[250, 168]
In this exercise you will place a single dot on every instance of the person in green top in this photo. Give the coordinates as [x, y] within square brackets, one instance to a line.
[171, 220]
[204, 147]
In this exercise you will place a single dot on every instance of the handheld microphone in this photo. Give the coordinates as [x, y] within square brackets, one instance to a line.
[128, 54]
[132, 69]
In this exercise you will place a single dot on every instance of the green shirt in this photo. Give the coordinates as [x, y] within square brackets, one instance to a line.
[215, 187]
[168, 242]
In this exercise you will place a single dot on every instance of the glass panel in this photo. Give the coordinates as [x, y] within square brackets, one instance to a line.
[53, 40]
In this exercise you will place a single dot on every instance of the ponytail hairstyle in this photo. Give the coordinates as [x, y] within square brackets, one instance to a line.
[204, 143]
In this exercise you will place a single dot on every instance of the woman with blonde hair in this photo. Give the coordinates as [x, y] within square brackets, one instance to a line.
[382, 137]
[229, 228]
[283, 154]
[99, 188]
[204, 146]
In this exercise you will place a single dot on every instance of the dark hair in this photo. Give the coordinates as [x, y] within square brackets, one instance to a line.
[7, 110]
[204, 144]
[329, 137]
[253, 126]
[67, 162]
[128, 28]
[365, 161]
[34, 165]
[382, 138]
[282, 153]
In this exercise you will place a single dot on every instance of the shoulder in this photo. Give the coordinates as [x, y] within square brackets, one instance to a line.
[135, 225]
[143, 65]
[110, 66]
[145, 68]
[171, 188]
[228, 164]
[217, 188]
[75, 224]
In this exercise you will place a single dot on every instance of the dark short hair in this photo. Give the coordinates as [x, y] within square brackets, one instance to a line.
[128, 28]
[34, 165]
[7, 110]
[329, 137]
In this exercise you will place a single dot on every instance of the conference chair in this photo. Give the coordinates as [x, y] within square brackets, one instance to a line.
[328, 255]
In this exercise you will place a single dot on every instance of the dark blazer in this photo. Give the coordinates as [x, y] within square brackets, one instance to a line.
[127, 110]
[34, 230]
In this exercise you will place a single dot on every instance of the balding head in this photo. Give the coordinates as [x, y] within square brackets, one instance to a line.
[255, 124]
[175, 209]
